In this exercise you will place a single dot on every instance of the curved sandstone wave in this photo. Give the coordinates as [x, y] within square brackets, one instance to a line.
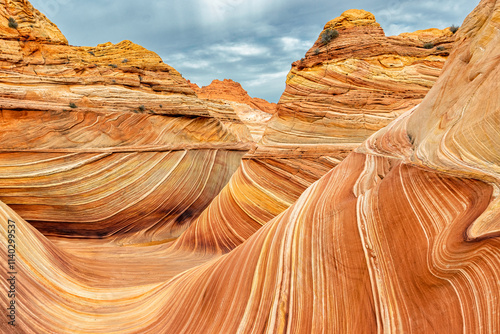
[258, 191]
[395, 239]
[384, 242]
[337, 96]
[107, 140]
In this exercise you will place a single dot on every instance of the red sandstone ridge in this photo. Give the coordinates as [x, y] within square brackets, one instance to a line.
[255, 113]
[230, 90]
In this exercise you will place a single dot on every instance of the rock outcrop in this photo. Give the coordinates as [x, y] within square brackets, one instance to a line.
[400, 237]
[345, 89]
[107, 140]
[354, 81]
[230, 90]
[254, 112]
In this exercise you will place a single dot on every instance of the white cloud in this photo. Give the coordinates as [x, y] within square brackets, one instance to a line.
[197, 64]
[262, 79]
[242, 50]
[293, 44]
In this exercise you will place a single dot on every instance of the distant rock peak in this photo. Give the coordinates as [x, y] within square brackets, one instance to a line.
[352, 18]
[230, 90]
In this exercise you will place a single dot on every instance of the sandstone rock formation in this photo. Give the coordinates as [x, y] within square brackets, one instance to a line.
[254, 112]
[344, 90]
[348, 87]
[107, 140]
[400, 237]
[229, 90]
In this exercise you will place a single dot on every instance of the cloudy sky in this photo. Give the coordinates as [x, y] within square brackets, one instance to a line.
[253, 42]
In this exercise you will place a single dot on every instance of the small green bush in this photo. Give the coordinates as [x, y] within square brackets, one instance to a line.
[142, 108]
[91, 53]
[316, 52]
[454, 28]
[428, 45]
[12, 23]
[113, 65]
[329, 35]
[440, 48]
[125, 60]
[72, 105]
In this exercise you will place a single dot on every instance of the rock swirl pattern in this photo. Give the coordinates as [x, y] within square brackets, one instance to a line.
[344, 90]
[105, 141]
[400, 237]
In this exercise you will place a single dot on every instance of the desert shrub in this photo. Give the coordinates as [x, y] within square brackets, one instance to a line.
[142, 108]
[113, 65]
[125, 60]
[428, 45]
[328, 35]
[12, 23]
[440, 48]
[72, 105]
[91, 53]
[316, 52]
[454, 28]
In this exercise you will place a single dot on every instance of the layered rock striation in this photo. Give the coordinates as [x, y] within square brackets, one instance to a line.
[345, 89]
[400, 237]
[107, 140]
[355, 80]
[254, 112]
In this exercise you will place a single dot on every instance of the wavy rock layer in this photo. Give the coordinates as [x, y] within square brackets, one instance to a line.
[27, 24]
[343, 91]
[106, 140]
[346, 88]
[402, 236]
[258, 191]
[398, 238]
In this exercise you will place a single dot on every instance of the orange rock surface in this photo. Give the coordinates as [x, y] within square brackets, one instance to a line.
[106, 140]
[346, 88]
[254, 112]
[229, 90]
[400, 237]
[337, 96]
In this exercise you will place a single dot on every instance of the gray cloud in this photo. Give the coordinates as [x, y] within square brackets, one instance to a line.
[250, 41]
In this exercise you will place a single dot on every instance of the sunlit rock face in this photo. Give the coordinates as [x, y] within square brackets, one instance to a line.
[255, 113]
[229, 90]
[107, 140]
[355, 80]
[345, 89]
[400, 237]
